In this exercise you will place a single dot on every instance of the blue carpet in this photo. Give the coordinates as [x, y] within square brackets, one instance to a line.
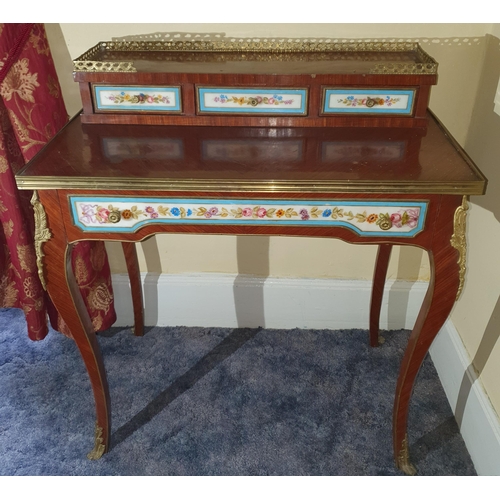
[219, 402]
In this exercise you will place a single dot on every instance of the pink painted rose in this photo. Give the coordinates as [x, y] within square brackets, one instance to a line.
[271, 100]
[103, 214]
[214, 211]
[261, 212]
[247, 212]
[396, 220]
[150, 99]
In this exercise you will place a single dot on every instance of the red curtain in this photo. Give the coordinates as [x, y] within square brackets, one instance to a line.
[32, 110]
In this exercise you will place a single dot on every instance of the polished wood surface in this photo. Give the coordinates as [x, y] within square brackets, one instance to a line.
[259, 159]
[429, 167]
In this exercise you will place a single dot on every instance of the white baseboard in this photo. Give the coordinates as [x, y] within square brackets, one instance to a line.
[221, 300]
[479, 423]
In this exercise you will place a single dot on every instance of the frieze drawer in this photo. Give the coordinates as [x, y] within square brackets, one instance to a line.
[365, 218]
[256, 83]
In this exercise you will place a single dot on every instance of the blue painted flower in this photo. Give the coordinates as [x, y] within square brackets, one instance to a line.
[189, 212]
[175, 211]
[350, 98]
[327, 213]
[122, 93]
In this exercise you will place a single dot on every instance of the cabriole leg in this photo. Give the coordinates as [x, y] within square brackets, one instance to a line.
[379, 276]
[435, 309]
[130, 253]
[65, 294]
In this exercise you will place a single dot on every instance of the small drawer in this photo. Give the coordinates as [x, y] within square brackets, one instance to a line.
[251, 101]
[368, 101]
[131, 98]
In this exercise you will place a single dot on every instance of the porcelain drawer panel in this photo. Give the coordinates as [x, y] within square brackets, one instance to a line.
[369, 101]
[136, 99]
[265, 101]
[365, 218]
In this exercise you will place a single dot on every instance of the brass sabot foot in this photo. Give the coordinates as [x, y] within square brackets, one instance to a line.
[408, 469]
[403, 461]
[99, 447]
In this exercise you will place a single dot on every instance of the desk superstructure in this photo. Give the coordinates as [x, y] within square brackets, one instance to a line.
[278, 83]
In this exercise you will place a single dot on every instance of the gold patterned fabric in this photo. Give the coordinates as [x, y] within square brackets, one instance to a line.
[32, 110]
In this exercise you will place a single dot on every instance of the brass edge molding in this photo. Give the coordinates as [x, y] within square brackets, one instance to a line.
[228, 185]
[87, 62]
[42, 235]
[459, 242]
[403, 460]
[99, 448]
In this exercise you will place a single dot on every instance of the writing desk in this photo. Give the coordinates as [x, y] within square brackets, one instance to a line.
[379, 186]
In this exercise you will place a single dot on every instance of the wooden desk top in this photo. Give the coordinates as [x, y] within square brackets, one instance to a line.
[225, 159]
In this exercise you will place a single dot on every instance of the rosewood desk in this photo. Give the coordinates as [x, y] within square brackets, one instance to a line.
[377, 186]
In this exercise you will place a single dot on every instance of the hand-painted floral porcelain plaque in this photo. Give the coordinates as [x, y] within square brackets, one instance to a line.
[266, 101]
[368, 101]
[366, 218]
[133, 98]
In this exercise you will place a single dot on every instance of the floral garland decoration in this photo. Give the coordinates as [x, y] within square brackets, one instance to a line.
[112, 215]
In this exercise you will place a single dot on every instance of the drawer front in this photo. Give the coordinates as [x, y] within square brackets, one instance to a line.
[251, 101]
[365, 218]
[368, 101]
[132, 98]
